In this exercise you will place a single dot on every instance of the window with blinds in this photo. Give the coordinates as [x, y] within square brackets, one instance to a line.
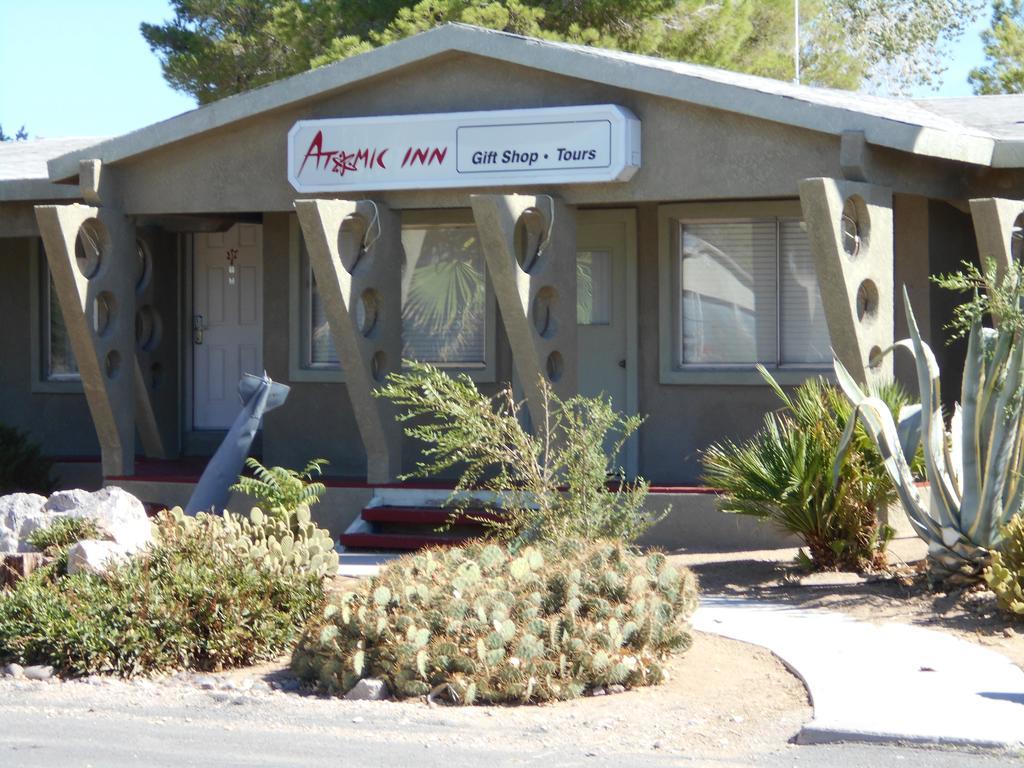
[58, 356]
[748, 293]
[444, 301]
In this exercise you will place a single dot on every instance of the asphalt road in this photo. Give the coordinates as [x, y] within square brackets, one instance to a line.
[232, 736]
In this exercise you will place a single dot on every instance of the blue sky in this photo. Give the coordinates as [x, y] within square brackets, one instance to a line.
[81, 67]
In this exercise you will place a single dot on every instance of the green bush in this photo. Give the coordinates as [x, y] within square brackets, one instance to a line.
[23, 468]
[784, 475]
[279, 490]
[59, 536]
[488, 625]
[560, 482]
[211, 593]
[1005, 573]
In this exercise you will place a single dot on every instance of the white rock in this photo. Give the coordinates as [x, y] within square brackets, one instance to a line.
[368, 689]
[38, 672]
[119, 515]
[14, 670]
[67, 501]
[93, 556]
[20, 514]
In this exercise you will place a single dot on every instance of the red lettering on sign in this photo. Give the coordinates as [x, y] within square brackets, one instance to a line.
[340, 161]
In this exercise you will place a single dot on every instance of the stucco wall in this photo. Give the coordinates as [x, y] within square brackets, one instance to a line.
[59, 422]
[690, 152]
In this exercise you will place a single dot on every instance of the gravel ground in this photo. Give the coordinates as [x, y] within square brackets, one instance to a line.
[706, 712]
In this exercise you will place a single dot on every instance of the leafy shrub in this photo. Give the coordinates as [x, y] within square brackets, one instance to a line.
[1005, 573]
[23, 468]
[487, 625]
[784, 474]
[63, 532]
[279, 490]
[211, 593]
[548, 486]
[59, 536]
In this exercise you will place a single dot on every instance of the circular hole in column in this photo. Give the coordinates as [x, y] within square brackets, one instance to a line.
[112, 364]
[379, 366]
[854, 226]
[1017, 238]
[875, 357]
[103, 308]
[543, 312]
[351, 241]
[867, 301]
[148, 328]
[143, 266]
[156, 375]
[366, 311]
[528, 240]
[91, 245]
[554, 366]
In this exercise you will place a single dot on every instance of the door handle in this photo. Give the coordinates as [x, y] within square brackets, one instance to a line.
[197, 329]
[622, 363]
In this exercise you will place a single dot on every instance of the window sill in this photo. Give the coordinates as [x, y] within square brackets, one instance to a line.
[58, 387]
[481, 374]
[741, 376]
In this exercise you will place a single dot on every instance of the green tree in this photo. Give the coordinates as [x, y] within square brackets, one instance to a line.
[1004, 50]
[213, 48]
[20, 135]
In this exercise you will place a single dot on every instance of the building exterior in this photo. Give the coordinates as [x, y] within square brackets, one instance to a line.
[506, 207]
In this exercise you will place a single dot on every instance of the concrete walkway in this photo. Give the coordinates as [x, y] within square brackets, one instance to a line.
[882, 682]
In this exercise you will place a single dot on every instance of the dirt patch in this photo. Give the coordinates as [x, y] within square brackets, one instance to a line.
[902, 597]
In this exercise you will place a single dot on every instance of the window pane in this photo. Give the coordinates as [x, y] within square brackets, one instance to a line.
[805, 336]
[61, 359]
[728, 293]
[321, 345]
[444, 296]
[593, 288]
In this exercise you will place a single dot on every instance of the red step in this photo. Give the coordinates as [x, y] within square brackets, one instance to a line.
[402, 541]
[432, 516]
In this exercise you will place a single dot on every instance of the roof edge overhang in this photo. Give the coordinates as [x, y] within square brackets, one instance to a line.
[795, 106]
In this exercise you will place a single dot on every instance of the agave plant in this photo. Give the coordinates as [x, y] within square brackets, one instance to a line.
[975, 469]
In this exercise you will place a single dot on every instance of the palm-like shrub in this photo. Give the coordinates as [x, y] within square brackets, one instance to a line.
[547, 485]
[280, 491]
[783, 475]
[484, 624]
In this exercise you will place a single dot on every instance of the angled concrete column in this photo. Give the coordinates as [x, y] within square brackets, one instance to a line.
[529, 242]
[355, 250]
[994, 220]
[92, 257]
[148, 339]
[850, 228]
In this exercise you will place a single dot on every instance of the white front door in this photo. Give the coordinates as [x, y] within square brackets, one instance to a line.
[227, 321]
[606, 311]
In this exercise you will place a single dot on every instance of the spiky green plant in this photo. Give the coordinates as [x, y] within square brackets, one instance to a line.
[975, 469]
[783, 475]
[280, 491]
[484, 624]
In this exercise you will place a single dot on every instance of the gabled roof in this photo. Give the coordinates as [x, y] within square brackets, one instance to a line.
[934, 128]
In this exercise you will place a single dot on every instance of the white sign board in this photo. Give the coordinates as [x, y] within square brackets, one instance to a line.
[560, 145]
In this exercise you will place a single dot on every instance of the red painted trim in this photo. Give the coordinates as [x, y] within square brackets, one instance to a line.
[398, 541]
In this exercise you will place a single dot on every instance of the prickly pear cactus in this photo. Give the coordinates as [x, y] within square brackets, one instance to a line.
[486, 625]
[290, 541]
[1005, 573]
